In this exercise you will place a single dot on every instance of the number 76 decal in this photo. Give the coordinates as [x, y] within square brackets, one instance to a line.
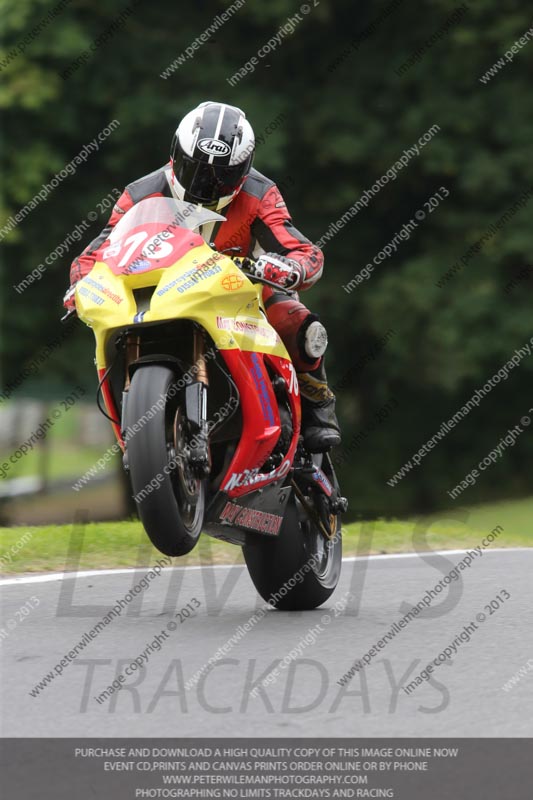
[294, 386]
[156, 247]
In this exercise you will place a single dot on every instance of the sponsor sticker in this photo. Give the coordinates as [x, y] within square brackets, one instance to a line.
[94, 298]
[262, 390]
[214, 147]
[138, 265]
[232, 282]
[246, 478]
[251, 518]
[190, 278]
[320, 478]
[104, 289]
[248, 325]
[252, 476]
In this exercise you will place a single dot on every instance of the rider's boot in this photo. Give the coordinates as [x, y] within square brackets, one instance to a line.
[320, 428]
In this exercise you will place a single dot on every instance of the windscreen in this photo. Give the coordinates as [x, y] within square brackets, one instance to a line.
[167, 212]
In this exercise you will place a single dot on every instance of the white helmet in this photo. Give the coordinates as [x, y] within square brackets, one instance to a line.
[211, 154]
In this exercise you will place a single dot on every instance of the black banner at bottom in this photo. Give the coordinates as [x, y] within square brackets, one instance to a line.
[405, 769]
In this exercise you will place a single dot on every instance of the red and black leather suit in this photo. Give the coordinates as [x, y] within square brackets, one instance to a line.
[257, 220]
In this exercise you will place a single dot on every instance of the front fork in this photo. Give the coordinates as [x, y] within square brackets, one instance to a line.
[196, 410]
[195, 404]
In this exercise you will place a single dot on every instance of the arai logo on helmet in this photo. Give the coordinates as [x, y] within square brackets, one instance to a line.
[214, 147]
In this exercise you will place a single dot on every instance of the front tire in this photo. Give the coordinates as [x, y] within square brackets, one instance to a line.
[170, 499]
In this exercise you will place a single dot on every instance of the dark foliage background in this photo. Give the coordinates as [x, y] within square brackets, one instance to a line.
[343, 127]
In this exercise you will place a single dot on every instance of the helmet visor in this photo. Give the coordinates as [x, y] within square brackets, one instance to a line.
[207, 183]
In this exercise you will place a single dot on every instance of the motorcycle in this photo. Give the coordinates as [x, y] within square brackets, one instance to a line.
[204, 402]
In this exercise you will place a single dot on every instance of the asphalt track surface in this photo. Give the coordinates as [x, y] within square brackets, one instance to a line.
[464, 698]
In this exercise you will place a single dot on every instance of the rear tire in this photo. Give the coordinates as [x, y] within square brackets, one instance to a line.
[170, 500]
[299, 570]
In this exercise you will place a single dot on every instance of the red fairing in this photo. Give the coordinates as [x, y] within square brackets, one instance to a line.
[83, 264]
[178, 243]
[285, 369]
[261, 422]
[110, 406]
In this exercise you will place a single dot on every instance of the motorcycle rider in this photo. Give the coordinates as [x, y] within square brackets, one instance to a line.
[211, 165]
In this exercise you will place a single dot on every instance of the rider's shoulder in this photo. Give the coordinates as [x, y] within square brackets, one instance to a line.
[257, 184]
[153, 183]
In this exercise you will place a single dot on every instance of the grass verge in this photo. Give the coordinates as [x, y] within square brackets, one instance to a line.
[124, 544]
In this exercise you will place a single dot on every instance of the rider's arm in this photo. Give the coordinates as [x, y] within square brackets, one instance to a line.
[83, 264]
[275, 233]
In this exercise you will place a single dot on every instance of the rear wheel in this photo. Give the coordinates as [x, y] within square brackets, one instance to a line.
[170, 498]
[299, 569]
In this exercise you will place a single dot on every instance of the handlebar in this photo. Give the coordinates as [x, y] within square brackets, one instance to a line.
[65, 318]
[243, 263]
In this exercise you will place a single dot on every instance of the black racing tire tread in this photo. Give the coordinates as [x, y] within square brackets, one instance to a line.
[159, 511]
[273, 562]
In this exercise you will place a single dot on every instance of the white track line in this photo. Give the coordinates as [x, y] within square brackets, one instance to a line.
[97, 573]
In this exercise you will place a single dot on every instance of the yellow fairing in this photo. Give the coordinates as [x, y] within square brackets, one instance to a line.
[202, 286]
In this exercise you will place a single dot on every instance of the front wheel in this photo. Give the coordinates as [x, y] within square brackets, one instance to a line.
[170, 498]
[299, 569]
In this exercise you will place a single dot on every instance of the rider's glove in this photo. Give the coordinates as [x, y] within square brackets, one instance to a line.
[280, 270]
[69, 300]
